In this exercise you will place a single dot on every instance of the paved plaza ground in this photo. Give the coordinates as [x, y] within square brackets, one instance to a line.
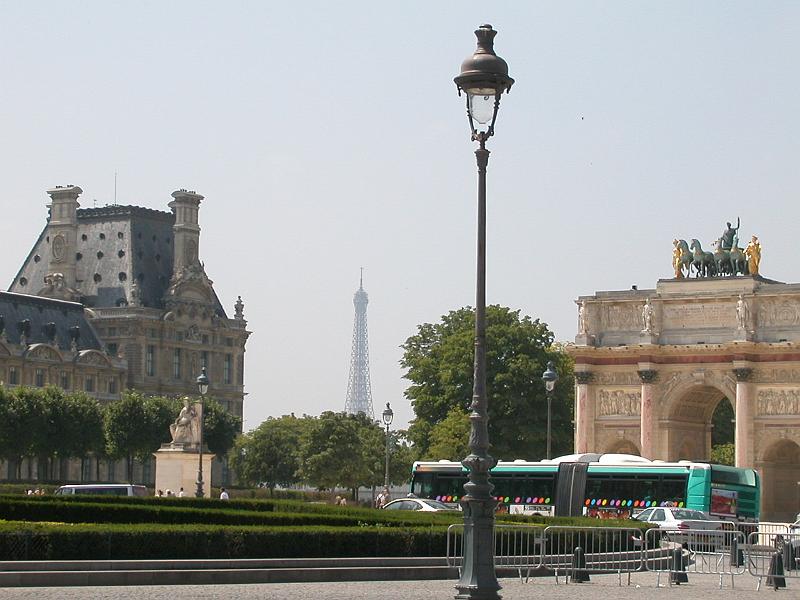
[701, 587]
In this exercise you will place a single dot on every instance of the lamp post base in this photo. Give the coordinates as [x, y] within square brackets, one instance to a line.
[478, 579]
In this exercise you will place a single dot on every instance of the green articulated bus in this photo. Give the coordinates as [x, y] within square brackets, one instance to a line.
[603, 485]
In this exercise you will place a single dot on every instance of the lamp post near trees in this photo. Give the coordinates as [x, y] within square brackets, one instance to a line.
[202, 386]
[387, 417]
[549, 377]
[483, 79]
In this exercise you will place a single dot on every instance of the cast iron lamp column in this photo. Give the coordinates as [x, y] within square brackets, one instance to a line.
[388, 415]
[202, 386]
[549, 377]
[483, 79]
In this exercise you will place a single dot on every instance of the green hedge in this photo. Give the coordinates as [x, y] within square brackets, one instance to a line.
[114, 509]
[26, 541]
[87, 510]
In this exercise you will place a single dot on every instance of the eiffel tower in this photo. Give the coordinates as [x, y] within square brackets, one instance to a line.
[359, 389]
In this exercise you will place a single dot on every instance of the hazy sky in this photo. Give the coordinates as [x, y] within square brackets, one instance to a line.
[327, 136]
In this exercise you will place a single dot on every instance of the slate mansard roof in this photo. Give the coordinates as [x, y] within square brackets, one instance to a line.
[115, 245]
[40, 313]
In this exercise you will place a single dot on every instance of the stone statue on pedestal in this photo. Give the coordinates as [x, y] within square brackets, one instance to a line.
[186, 428]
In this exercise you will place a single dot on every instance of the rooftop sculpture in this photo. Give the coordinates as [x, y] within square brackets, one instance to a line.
[727, 259]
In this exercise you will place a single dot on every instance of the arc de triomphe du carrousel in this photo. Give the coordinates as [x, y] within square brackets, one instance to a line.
[651, 366]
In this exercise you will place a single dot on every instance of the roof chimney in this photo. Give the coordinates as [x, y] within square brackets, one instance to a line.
[186, 231]
[62, 234]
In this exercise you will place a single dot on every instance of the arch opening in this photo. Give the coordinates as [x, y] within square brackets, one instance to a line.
[780, 472]
[689, 424]
[624, 447]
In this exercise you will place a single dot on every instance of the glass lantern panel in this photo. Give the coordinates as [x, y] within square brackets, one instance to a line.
[481, 107]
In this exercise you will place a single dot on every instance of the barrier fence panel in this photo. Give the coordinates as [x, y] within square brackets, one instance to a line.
[517, 547]
[455, 545]
[700, 551]
[774, 557]
[576, 552]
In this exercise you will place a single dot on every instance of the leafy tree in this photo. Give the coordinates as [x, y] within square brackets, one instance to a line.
[342, 450]
[449, 439]
[7, 450]
[28, 425]
[439, 364]
[722, 423]
[220, 428]
[271, 452]
[723, 450]
[136, 426]
[75, 423]
[401, 456]
[723, 454]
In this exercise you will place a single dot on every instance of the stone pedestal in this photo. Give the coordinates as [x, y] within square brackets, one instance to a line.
[176, 468]
[648, 337]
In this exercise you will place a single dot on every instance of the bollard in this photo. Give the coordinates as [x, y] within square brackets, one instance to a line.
[775, 578]
[737, 554]
[579, 574]
[677, 574]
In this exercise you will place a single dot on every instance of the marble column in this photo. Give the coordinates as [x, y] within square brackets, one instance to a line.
[646, 424]
[744, 417]
[582, 379]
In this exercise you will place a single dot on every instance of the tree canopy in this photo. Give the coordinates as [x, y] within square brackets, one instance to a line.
[439, 364]
[270, 454]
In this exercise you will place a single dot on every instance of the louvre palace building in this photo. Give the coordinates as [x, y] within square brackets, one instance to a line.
[112, 298]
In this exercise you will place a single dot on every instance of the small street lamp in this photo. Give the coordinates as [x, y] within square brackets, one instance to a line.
[388, 415]
[549, 377]
[483, 79]
[202, 386]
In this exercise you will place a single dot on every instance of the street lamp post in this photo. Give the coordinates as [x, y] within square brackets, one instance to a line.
[202, 386]
[483, 79]
[388, 415]
[549, 377]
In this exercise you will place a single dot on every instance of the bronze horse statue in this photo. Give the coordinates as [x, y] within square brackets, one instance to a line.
[702, 261]
[722, 259]
[685, 261]
[738, 259]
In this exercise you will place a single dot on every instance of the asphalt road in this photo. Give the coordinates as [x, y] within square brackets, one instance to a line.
[643, 587]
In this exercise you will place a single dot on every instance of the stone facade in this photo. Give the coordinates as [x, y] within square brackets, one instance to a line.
[145, 295]
[649, 383]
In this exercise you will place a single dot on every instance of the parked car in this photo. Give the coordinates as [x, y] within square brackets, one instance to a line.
[105, 489]
[685, 526]
[421, 504]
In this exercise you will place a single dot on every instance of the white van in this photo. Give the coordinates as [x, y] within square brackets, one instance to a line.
[103, 489]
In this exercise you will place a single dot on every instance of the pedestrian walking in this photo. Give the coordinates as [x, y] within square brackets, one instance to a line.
[223, 494]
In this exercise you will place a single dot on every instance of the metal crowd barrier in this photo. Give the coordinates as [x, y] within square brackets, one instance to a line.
[577, 552]
[698, 551]
[517, 547]
[774, 555]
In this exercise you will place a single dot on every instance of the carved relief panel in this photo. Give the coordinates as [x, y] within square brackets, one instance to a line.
[621, 317]
[778, 313]
[618, 402]
[699, 315]
[778, 401]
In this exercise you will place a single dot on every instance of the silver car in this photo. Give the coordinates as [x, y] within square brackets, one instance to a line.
[685, 525]
[421, 504]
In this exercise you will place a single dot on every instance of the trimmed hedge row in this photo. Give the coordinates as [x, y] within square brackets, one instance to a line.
[114, 509]
[25, 541]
